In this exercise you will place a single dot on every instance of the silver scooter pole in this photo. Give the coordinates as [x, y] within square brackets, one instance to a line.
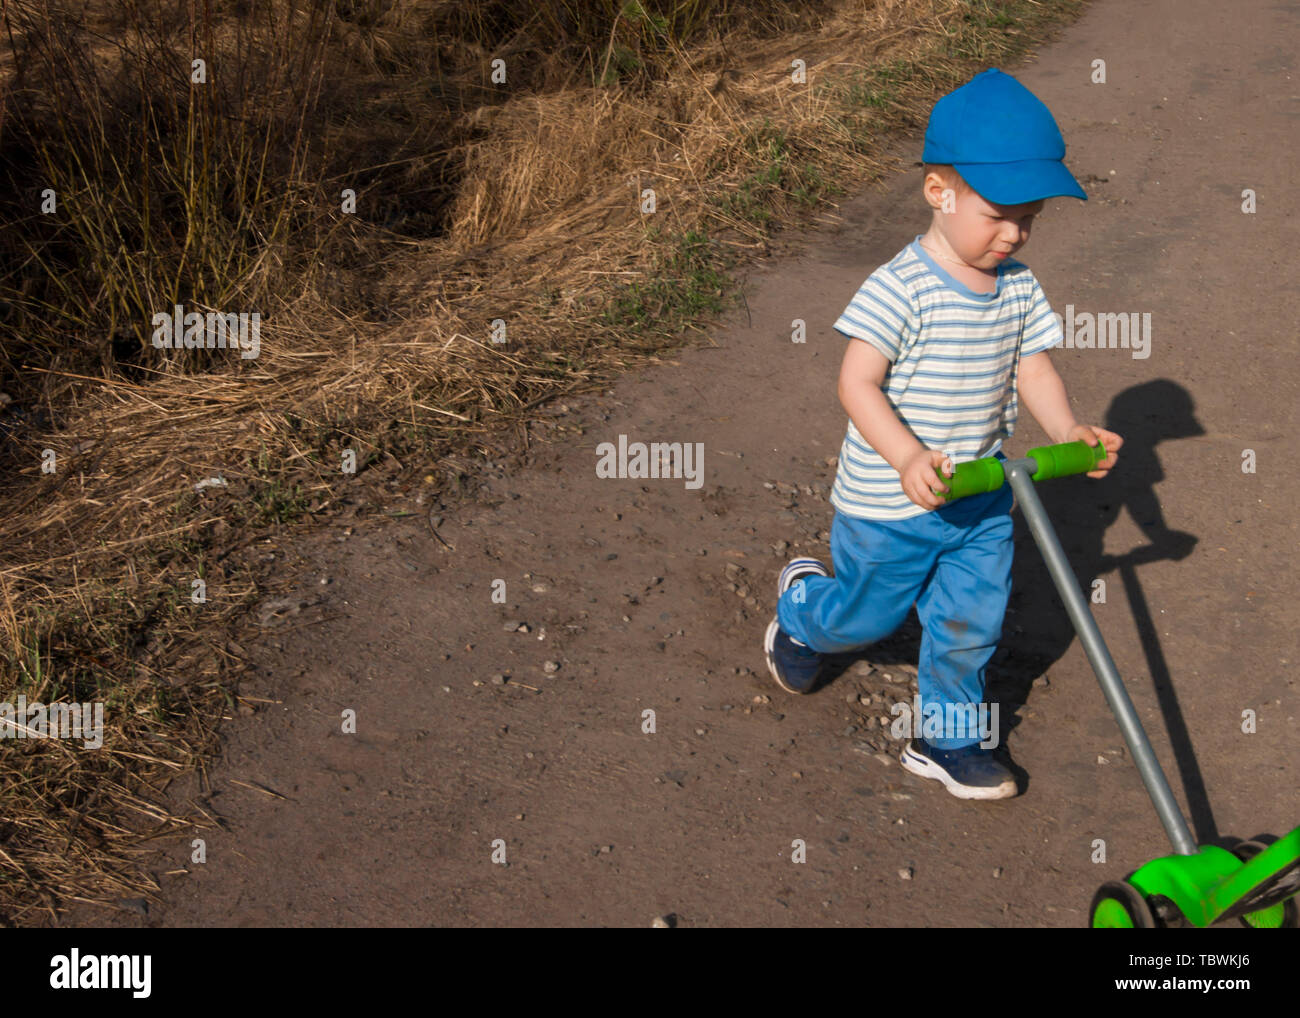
[1020, 473]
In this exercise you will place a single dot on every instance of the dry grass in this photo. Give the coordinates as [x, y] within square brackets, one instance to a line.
[476, 202]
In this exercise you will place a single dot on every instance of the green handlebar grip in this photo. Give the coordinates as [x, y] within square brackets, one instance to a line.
[1066, 459]
[977, 477]
[973, 478]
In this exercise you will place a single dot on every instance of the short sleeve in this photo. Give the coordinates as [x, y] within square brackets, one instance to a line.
[1042, 329]
[880, 313]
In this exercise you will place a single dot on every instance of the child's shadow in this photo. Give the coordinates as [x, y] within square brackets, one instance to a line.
[1037, 631]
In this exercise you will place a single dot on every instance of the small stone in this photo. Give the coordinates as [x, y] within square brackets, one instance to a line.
[762, 698]
[852, 698]
[905, 873]
[1101, 759]
[139, 906]
[511, 626]
[551, 667]
[1042, 681]
[661, 923]
[498, 679]
[997, 872]
[862, 668]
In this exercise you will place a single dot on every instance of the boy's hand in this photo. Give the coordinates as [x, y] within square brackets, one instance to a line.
[1112, 442]
[920, 475]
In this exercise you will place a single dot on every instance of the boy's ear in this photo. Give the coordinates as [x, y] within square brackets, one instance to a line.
[932, 185]
[939, 192]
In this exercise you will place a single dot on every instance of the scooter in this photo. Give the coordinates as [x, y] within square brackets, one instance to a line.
[1257, 881]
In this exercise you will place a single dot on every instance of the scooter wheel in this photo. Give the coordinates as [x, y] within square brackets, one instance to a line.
[1119, 905]
[1285, 915]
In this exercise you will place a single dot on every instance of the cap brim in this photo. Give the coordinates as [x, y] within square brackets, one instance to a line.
[1020, 182]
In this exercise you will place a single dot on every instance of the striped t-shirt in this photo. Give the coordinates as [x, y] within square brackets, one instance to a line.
[952, 376]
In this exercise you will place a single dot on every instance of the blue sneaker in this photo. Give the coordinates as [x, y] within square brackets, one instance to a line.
[968, 773]
[795, 666]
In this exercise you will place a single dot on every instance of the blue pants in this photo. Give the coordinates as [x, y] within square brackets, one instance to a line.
[954, 562]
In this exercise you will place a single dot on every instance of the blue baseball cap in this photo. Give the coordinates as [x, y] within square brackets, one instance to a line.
[1002, 140]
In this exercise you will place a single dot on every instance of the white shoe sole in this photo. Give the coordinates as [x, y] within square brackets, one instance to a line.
[926, 768]
[798, 565]
[769, 648]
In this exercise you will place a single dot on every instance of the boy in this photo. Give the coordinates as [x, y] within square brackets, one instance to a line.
[945, 340]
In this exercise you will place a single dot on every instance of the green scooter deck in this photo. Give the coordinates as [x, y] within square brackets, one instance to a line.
[1214, 885]
[1275, 886]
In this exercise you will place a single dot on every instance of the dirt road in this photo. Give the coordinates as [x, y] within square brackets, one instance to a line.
[626, 585]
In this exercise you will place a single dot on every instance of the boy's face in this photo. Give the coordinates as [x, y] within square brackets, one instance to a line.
[980, 233]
